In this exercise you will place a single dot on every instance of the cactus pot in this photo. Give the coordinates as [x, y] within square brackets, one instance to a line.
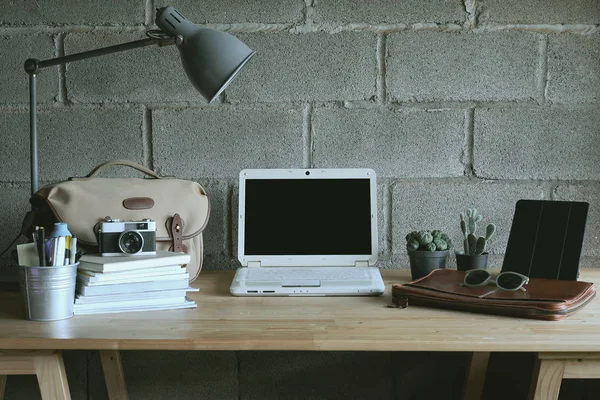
[423, 262]
[467, 262]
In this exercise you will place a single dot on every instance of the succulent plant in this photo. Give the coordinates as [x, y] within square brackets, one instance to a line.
[428, 241]
[468, 225]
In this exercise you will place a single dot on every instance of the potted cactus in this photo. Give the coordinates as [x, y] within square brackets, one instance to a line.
[427, 250]
[474, 255]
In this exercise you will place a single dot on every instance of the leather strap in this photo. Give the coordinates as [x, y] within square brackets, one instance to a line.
[126, 163]
[175, 229]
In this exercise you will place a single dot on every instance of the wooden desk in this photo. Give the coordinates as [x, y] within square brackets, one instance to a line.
[568, 348]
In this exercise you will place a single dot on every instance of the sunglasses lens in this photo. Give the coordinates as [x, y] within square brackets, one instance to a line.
[509, 281]
[476, 277]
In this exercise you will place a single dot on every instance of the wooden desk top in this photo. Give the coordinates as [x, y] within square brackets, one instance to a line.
[224, 322]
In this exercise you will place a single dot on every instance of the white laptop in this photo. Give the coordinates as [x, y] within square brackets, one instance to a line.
[307, 232]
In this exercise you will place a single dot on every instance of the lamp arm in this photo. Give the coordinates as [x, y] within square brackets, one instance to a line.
[32, 66]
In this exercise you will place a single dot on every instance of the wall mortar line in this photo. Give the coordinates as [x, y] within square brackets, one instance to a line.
[149, 13]
[62, 70]
[230, 214]
[387, 217]
[543, 77]
[467, 156]
[381, 71]
[308, 135]
[147, 150]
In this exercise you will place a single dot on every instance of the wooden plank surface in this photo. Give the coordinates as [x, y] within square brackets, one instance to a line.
[224, 322]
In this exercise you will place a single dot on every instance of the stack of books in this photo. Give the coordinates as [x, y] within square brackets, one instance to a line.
[107, 284]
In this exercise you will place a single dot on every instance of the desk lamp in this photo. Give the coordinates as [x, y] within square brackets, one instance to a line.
[210, 58]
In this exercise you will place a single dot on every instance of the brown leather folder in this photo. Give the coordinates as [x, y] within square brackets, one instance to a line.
[546, 299]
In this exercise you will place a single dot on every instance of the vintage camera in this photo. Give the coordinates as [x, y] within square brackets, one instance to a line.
[117, 237]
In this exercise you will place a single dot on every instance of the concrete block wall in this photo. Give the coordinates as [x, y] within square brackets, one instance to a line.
[454, 103]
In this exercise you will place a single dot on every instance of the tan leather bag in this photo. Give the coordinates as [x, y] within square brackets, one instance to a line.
[180, 208]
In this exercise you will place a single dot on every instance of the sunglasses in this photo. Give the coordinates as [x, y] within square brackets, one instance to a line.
[511, 281]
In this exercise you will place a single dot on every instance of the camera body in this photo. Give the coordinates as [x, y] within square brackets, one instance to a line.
[118, 237]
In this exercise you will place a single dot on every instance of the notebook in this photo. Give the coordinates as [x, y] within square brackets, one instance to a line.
[307, 232]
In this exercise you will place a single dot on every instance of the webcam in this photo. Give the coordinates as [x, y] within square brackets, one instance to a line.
[307, 172]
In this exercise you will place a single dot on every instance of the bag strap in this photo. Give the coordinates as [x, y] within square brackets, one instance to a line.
[126, 163]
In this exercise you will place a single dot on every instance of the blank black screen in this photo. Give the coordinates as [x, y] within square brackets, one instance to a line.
[307, 216]
[546, 239]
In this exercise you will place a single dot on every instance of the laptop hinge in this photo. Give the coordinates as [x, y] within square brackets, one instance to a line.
[361, 264]
[253, 264]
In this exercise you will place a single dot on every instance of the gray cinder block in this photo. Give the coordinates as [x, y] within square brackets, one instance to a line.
[181, 375]
[433, 66]
[536, 143]
[238, 11]
[530, 12]
[148, 74]
[220, 142]
[33, 12]
[314, 66]
[15, 81]
[390, 11]
[315, 375]
[395, 143]
[71, 141]
[573, 68]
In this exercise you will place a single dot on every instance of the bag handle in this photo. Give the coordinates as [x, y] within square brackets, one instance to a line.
[126, 163]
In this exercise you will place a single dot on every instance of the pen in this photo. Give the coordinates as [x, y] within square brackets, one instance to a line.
[67, 254]
[41, 242]
[35, 241]
[38, 240]
[73, 250]
[48, 250]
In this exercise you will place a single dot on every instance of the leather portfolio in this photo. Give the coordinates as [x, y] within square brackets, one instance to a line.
[546, 299]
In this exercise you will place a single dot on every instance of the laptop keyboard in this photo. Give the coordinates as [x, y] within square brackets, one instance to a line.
[308, 273]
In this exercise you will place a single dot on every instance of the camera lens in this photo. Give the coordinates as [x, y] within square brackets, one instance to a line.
[131, 242]
[307, 172]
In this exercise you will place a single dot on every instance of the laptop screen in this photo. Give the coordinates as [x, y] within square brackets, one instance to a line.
[307, 216]
[292, 218]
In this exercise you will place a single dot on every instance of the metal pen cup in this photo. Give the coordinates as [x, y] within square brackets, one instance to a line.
[48, 293]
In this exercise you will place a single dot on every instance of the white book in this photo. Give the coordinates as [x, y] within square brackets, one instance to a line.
[132, 303]
[99, 263]
[134, 272]
[102, 310]
[130, 287]
[101, 280]
[157, 294]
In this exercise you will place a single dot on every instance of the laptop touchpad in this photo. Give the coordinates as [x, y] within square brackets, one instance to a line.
[301, 283]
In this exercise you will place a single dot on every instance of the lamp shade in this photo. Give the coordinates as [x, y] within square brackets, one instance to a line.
[210, 58]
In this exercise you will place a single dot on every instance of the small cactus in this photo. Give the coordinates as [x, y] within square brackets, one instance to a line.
[434, 240]
[468, 225]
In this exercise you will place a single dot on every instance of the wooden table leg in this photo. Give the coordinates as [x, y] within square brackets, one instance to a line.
[475, 378]
[51, 376]
[552, 368]
[2, 386]
[546, 380]
[113, 374]
[47, 365]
